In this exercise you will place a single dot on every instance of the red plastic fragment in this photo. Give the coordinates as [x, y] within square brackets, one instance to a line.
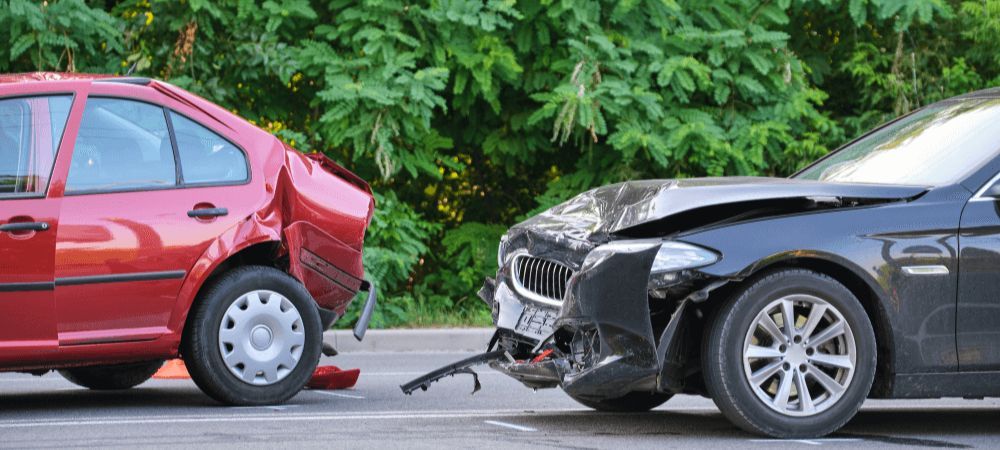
[541, 356]
[332, 377]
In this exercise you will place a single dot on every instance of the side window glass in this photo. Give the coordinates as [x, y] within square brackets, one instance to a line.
[122, 145]
[205, 156]
[30, 131]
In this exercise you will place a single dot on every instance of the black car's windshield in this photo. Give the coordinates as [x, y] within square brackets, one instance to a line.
[934, 146]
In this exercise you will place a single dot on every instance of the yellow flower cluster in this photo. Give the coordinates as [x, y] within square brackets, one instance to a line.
[293, 85]
[273, 126]
[148, 14]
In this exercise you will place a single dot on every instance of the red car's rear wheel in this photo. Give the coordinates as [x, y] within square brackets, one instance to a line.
[253, 337]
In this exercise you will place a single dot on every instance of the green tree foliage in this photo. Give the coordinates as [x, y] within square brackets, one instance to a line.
[468, 115]
[40, 35]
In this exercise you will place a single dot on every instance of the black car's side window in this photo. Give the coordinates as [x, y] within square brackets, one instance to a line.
[30, 132]
[206, 157]
[122, 145]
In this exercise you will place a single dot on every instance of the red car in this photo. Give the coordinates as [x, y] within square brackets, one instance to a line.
[139, 222]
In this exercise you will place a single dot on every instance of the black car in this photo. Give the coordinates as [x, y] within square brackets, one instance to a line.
[874, 272]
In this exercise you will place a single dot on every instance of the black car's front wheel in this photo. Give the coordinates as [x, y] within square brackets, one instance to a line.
[791, 355]
[253, 338]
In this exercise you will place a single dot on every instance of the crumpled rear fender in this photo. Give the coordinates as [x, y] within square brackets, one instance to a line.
[326, 212]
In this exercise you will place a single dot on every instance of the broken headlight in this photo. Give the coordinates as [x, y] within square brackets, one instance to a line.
[674, 257]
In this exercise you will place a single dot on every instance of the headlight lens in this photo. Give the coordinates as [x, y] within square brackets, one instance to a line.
[674, 256]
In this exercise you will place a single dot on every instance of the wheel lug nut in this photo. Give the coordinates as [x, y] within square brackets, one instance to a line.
[802, 367]
[782, 348]
[797, 339]
[809, 352]
[786, 366]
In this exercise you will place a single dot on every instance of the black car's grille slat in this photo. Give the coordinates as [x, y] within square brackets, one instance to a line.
[541, 277]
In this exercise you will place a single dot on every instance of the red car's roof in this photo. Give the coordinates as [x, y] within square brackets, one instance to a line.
[212, 110]
[49, 76]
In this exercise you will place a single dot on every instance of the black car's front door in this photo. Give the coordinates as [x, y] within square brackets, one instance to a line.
[978, 322]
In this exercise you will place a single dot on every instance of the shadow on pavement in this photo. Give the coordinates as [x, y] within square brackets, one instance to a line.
[83, 399]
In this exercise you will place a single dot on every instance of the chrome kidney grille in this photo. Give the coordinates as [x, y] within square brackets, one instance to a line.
[540, 279]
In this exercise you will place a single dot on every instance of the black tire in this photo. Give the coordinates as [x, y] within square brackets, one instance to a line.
[631, 402]
[112, 378]
[200, 347]
[723, 362]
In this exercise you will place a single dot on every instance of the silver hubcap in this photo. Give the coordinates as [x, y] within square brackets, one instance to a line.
[799, 355]
[261, 337]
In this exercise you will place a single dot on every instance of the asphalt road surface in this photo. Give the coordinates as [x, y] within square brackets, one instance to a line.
[48, 411]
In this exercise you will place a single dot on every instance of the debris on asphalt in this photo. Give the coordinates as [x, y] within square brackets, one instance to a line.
[333, 377]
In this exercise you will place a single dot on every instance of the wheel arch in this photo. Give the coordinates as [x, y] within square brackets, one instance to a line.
[265, 252]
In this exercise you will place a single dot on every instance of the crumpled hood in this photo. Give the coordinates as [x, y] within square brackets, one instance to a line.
[597, 213]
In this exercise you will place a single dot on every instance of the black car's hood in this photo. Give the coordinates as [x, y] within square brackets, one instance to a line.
[597, 213]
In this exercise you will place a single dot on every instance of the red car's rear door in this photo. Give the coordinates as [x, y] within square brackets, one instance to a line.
[131, 225]
[30, 133]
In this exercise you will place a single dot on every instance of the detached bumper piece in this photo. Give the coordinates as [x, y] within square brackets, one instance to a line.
[361, 327]
[460, 367]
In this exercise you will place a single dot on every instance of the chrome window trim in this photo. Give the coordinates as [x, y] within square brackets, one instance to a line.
[978, 196]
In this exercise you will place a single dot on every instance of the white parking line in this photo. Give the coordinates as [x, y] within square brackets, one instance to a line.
[31, 380]
[819, 441]
[270, 407]
[509, 425]
[415, 374]
[337, 394]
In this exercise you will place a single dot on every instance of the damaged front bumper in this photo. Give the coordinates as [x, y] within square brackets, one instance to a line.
[589, 318]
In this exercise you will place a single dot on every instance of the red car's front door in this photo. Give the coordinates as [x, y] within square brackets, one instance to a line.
[30, 132]
[133, 223]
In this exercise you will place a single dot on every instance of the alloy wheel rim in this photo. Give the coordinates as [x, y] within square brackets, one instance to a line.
[799, 355]
[261, 337]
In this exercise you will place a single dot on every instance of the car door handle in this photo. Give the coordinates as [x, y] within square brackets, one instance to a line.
[14, 227]
[202, 213]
